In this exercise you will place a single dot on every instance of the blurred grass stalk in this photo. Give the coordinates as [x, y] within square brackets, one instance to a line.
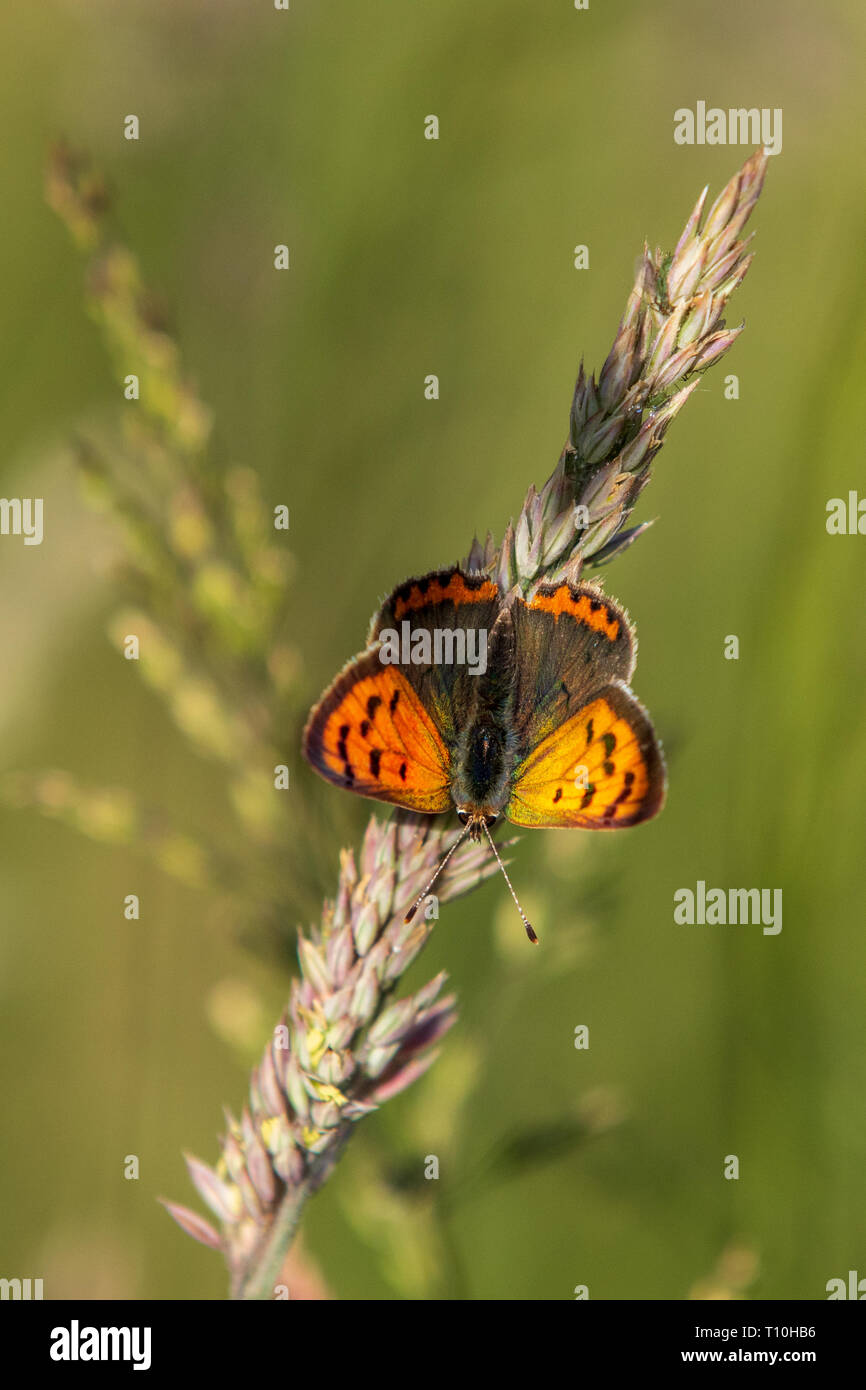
[208, 575]
[210, 582]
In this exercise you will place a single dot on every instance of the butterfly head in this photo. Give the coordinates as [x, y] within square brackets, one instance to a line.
[477, 820]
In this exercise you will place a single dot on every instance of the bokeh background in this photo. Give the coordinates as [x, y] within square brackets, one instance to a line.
[559, 1167]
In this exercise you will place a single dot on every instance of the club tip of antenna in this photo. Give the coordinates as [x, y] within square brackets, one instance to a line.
[531, 934]
[410, 914]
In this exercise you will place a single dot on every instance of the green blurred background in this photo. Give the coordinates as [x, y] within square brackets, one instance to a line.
[455, 257]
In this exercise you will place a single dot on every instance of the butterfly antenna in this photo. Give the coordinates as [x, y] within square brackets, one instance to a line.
[422, 895]
[529, 932]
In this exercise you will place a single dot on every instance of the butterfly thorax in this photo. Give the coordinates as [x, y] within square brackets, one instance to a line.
[482, 768]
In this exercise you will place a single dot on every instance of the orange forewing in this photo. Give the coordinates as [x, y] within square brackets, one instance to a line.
[602, 769]
[371, 734]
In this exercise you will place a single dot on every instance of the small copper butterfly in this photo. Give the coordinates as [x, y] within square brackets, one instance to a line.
[494, 705]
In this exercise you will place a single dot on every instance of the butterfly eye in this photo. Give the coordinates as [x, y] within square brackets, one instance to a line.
[463, 817]
[490, 820]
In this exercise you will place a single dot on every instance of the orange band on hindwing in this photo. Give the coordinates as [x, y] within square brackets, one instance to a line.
[457, 588]
[588, 608]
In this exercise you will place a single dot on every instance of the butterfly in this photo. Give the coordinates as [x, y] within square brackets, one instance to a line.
[494, 705]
